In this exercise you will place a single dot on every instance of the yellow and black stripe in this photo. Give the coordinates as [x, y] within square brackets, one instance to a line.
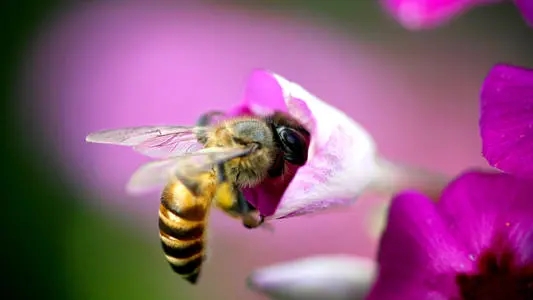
[182, 235]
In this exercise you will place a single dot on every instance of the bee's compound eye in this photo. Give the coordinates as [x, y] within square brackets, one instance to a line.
[289, 137]
[292, 138]
[294, 145]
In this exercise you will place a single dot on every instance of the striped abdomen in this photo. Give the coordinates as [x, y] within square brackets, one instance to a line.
[182, 221]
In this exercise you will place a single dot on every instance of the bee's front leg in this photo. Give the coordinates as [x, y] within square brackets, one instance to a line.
[251, 218]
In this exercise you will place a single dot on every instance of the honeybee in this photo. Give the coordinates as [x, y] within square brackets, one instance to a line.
[204, 164]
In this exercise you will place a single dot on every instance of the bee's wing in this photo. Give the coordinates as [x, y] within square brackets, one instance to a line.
[153, 141]
[184, 167]
[172, 144]
[150, 176]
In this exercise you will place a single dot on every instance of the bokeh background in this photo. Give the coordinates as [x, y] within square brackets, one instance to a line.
[79, 66]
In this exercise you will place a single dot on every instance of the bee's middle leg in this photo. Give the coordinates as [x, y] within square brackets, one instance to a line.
[231, 201]
[225, 197]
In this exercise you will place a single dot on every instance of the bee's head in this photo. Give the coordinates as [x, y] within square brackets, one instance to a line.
[256, 136]
[251, 132]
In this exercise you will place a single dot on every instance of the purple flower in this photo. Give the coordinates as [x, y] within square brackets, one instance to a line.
[526, 8]
[342, 161]
[506, 122]
[476, 243]
[424, 14]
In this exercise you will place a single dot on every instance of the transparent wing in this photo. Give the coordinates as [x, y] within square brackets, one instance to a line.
[172, 144]
[153, 141]
[151, 176]
[158, 173]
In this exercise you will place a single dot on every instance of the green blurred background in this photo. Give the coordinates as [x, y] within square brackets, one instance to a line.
[60, 248]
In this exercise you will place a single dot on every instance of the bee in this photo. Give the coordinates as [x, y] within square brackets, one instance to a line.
[208, 164]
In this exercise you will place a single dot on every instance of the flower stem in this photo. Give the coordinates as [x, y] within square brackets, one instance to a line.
[393, 177]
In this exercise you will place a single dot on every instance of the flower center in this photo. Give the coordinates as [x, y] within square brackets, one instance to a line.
[499, 277]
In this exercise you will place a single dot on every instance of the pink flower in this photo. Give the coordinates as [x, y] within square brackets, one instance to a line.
[424, 14]
[342, 161]
[506, 122]
[476, 243]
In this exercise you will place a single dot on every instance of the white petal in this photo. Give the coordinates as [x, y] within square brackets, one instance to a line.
[321, 277]
[341, 161]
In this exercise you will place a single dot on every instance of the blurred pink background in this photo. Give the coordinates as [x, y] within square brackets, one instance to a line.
[101, 65]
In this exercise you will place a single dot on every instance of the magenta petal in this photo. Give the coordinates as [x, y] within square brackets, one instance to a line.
[381, 291]
[263, 93]
[482, 207]
[417, 256]
[426, 245]
[506, 122]
[421, 14]
[526, 8]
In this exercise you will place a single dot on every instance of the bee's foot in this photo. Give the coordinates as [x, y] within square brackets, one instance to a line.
[253, 221]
